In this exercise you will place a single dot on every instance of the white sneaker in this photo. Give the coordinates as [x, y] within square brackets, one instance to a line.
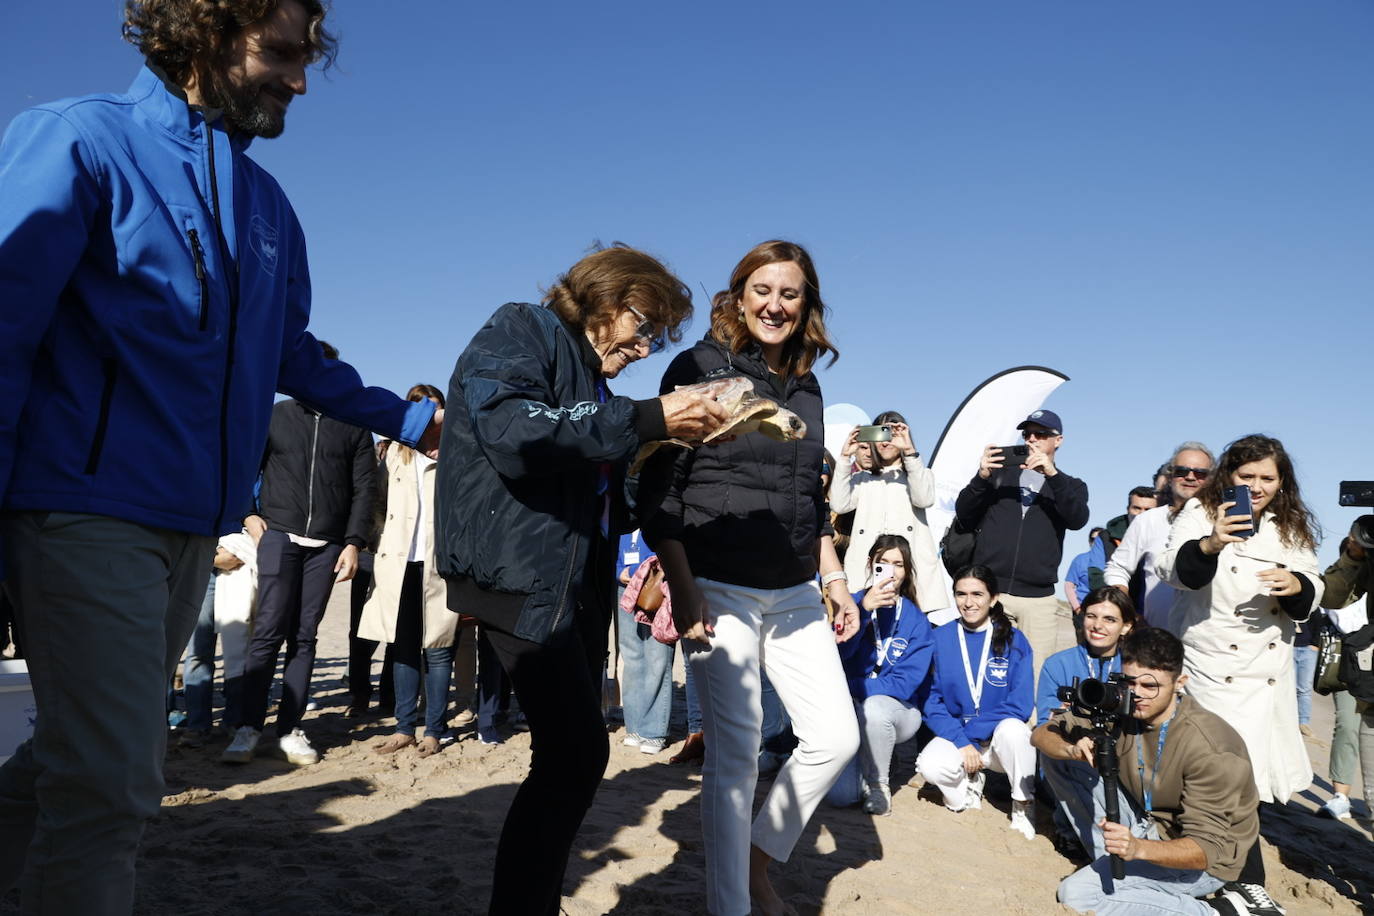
[631, 740]
[974, 800]
[878, 800]
[243, 745]
[296, 749]
[651, 745]
[1338, 807]
[1020, 819]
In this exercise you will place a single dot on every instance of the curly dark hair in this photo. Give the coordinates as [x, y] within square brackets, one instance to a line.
[1297, 525]
[188, 38]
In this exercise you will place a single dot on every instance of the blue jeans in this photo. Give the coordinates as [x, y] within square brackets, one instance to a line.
[1147, 889]
[438, 676]
[693, 704]
[198, 672]
[1305, 669]
[646, 691]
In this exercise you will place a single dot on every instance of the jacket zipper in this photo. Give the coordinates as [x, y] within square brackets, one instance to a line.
[103, 422]
[310, 481]
[230, 337]
[198, 253]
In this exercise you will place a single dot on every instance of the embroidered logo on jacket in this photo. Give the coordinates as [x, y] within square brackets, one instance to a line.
[997, 671]
[262, 238]
[576, 412]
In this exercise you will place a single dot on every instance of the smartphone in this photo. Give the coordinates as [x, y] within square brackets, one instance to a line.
[1014, 452]
[881, 573]
[875, 434]
[1241, 497]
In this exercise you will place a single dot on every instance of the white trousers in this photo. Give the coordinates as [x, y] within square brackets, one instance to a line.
[786, 631]
[1008, 752]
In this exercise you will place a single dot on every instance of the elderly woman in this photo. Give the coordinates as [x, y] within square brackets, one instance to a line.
[741, 530]
[530, 501]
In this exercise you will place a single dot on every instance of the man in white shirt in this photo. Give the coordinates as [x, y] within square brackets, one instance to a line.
[1149, 532]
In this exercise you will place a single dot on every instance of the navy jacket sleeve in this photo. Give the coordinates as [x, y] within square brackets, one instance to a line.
[505, 374]
[1070, 499]
[973, 501]
[1195, 568]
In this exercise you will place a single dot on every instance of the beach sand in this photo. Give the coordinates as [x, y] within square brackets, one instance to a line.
[360, 833]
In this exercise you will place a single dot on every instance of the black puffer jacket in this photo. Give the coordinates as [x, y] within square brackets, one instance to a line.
[748, 512]
[524, 443]
[317, 476]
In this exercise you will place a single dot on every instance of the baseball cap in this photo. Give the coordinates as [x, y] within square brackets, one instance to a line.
[1046, 418]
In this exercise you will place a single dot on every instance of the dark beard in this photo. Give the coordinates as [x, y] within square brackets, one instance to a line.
[247, 111]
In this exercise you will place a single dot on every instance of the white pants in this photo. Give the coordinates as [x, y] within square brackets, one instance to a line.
[1009, 752]
[785, 630]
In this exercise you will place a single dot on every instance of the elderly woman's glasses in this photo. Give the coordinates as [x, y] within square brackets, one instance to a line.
[647, 332]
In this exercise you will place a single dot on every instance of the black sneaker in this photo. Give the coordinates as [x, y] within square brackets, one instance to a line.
[1254, 899]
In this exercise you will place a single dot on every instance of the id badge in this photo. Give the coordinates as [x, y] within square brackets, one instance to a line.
[632, 558]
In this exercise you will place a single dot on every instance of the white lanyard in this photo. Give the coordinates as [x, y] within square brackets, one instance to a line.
[975, 686]
[882, 645]
[1104, 665]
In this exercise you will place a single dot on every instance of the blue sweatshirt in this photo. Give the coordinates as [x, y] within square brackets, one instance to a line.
[1008, 686]
[907, 658]
[154, 294]
[1061, 668]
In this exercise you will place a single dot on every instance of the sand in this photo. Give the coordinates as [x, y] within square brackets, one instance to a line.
[362, 833]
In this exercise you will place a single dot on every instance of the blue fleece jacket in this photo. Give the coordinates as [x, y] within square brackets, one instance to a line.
[1061, 668]
[154, 294]
[907, 660]
[1008, 691]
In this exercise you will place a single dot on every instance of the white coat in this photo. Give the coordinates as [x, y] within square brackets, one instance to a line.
[890, 501]
[1238, 645]
[379, 615]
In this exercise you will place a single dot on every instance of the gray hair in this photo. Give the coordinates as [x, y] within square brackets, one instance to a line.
[1192, 446]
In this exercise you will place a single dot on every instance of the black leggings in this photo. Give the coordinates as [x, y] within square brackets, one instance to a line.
[559, 689]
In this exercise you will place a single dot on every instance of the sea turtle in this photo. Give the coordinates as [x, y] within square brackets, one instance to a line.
[747, 413]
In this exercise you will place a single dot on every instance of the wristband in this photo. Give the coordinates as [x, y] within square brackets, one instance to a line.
[833, 577]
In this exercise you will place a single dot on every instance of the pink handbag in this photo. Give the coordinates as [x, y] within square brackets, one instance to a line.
[664, 630]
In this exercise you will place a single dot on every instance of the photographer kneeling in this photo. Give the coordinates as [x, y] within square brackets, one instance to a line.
[1187, 793]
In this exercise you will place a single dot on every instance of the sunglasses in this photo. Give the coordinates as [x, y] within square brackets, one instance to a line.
[646, 331]
[1029, 434]
[1180, 472]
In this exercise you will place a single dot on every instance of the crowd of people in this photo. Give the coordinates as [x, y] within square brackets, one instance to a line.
[498, 541]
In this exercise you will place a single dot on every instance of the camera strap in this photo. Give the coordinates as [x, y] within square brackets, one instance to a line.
[975, 686]
[1148, 788]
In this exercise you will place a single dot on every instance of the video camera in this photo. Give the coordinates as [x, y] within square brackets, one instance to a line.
[1103, 702]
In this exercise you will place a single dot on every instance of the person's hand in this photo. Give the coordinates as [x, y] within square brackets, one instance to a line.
[1083, 750]
[991, 461]
[884, 594]
[625, 576]
[691, 615]
[901, 437]
[973, 761]
[1224, 530]
[691, 415]
[846, 619]
[851, 444]
[1119, 841]
[226, 561]
[347, 566]
[1279, 583]
[1039, 460]
[429, 442]
[255, 525]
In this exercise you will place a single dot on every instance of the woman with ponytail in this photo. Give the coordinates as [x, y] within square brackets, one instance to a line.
[981, 694]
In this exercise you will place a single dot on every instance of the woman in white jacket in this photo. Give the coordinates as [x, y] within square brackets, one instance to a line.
[408, 607]
[890, 499]
[1244, 580]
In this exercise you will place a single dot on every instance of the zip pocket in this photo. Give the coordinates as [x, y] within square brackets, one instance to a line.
[202, 278]
[101, 424]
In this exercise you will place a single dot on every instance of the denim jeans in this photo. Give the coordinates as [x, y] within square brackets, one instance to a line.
[646, 688]
[1147, 889]
[1305, 669]
[198, 671]
[690, 688]
[438, 675]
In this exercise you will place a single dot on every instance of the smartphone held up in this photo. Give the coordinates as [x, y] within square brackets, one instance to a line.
[1241, 497]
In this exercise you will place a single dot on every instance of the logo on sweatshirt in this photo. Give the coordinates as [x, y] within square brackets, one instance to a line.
[997, 670]
[898, 648]
[262, 238]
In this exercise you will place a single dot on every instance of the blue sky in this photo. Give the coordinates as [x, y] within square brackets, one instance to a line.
[1172, 203]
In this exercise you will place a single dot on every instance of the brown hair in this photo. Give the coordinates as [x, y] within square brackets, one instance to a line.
[1110, 594]
[190, 38]
[594, 290]
[419, 393]
[1297, 524]
[810, 341]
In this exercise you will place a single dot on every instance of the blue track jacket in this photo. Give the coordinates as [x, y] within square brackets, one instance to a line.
[908, 655]
[1061, 668]
[1008, 691]
[154, 294]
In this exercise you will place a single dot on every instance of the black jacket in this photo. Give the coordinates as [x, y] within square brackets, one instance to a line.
[525, 440]
[1022, 549]
[748, 512]
[317, 476]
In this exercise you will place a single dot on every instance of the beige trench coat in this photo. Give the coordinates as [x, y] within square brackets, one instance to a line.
[1238, 646]
[891, 501]
[378, 619]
